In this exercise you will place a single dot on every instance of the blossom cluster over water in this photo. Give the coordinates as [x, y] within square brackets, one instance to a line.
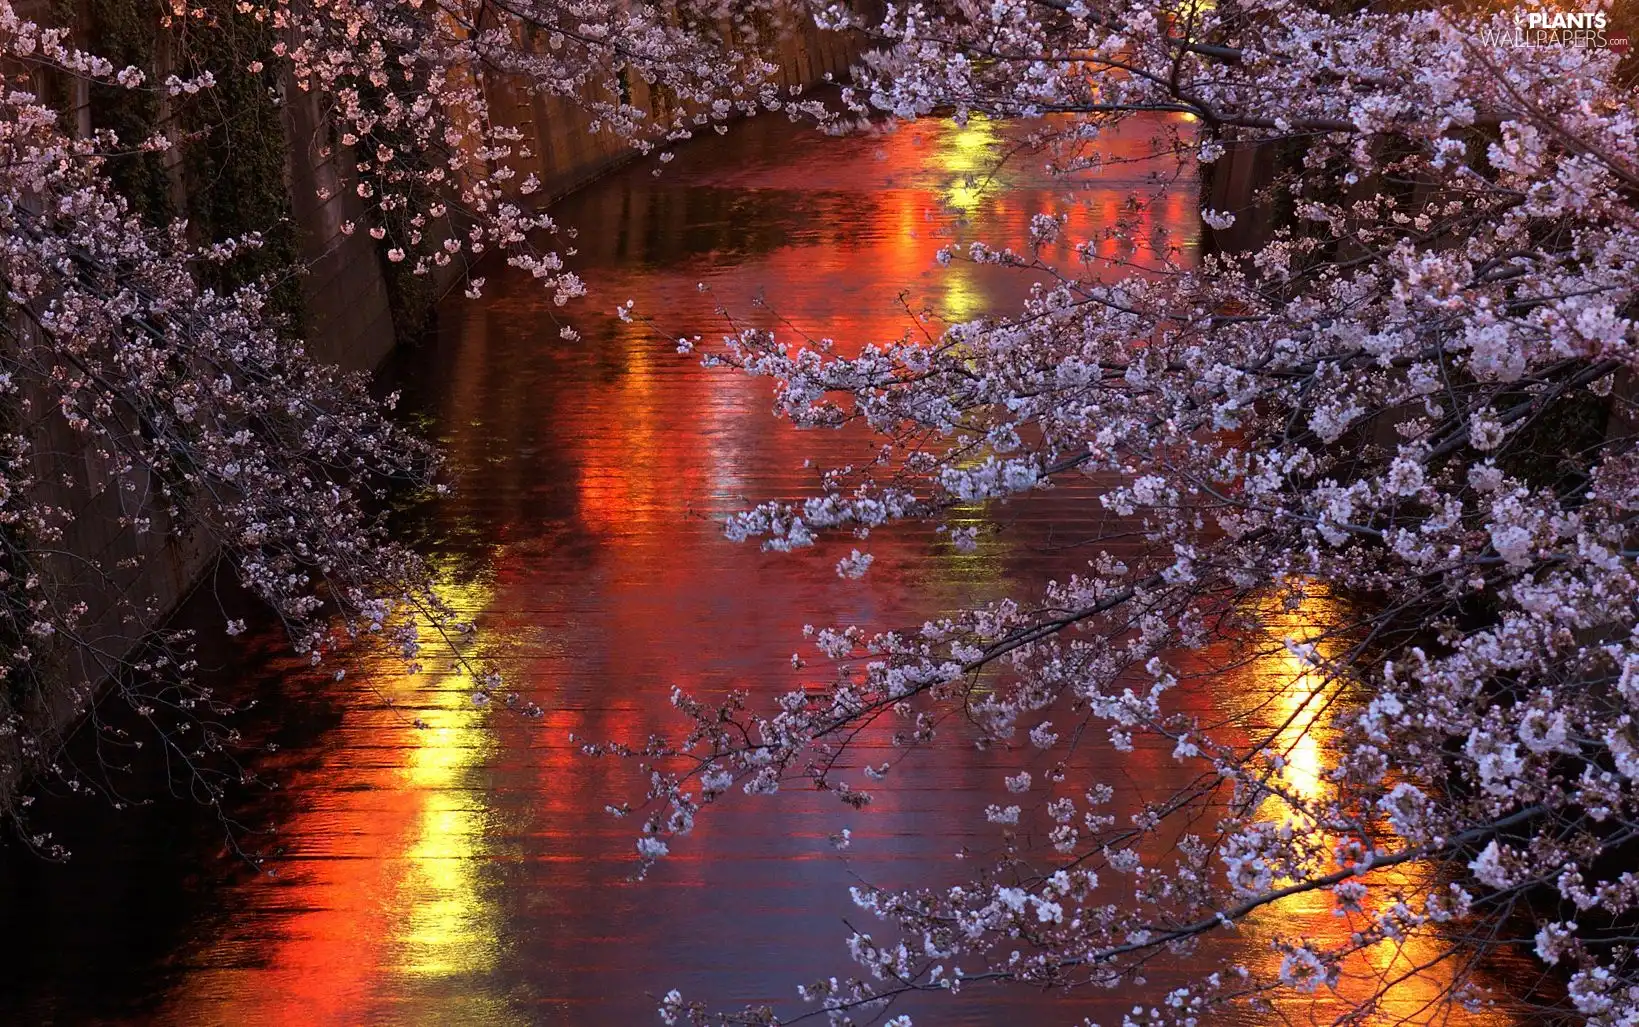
[1400, 380]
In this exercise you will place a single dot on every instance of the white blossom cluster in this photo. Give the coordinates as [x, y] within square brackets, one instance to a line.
[421, 94]
[202, 421]
[193, 403]
[1414, 393]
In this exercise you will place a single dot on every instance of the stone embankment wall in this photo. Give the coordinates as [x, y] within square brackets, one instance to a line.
[348, 305]
[566, 153]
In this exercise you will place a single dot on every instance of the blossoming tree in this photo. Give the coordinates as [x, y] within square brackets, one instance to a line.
[1411, 394]
[146, 360]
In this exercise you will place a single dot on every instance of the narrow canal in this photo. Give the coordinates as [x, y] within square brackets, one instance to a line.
[466, 873]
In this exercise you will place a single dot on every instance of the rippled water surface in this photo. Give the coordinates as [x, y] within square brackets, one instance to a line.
[466, 873]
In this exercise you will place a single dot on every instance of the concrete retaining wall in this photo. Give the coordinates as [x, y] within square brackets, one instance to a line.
[350, 323]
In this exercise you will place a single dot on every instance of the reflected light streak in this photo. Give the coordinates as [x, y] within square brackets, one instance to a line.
[1408, 979]
[388, 901]
[966, 153]
[1298, 696]
[449, 926]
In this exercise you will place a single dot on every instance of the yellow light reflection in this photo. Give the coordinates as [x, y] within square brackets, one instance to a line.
[967, 154]
[1298, 697]
[449, 925]
[385, 875]
[1292, 706]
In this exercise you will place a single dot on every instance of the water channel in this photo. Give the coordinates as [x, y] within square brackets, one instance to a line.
[466, 873]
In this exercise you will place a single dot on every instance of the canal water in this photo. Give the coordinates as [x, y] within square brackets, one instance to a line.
[466, 872]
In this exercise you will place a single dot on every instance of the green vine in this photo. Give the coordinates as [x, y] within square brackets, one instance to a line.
[411, 298]
[231, 175]
[235, 157]
[128, 34]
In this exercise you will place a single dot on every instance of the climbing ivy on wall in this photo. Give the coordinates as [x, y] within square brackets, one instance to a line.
[127, 33]
[411, 298]
[234, 161]
[230, 178]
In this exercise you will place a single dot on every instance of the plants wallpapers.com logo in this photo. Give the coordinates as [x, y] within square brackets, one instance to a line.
[1591, 30]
